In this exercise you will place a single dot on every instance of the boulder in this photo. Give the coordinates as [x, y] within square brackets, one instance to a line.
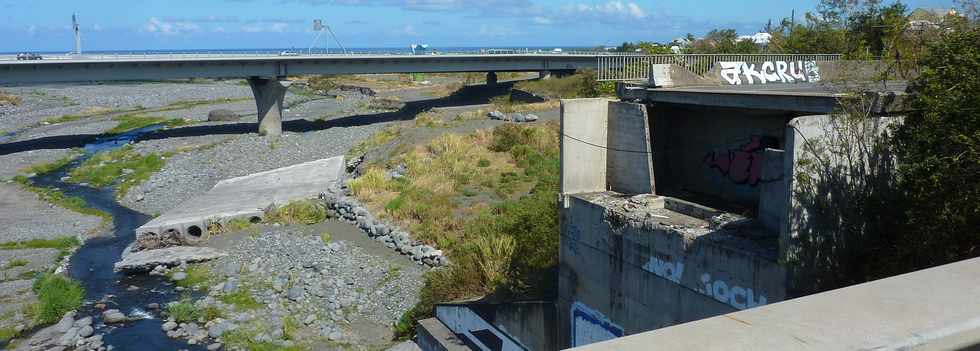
[497, 115]
[223, 115]
[113, 316]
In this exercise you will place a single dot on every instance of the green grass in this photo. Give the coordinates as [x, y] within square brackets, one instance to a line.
[131, 122]
[58, 198]
[197, 275]
[183, 310]
[64, 245]
[110, 167]
[230, 226]
[428, 119]
[241, 299]
[56, 295]
[42, 168]
[325, 237]
[15, 263]
[297, 212]
[378, 139]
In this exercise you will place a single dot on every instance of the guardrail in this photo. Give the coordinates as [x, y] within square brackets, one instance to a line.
[637, 67]
[267, 53]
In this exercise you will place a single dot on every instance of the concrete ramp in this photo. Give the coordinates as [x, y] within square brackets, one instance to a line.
[239, 198]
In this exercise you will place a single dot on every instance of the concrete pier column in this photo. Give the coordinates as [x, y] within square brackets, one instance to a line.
[544, 75]
[269, 94]
[491, 79]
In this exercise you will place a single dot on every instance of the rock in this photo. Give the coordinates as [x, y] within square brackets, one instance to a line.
[230, 286]
[309, 319]
[178, 276]
[171, 256]
[153, 306]
[159, 270]
[113, 316]
[530, 117]
[100, 306]
[169, 325]
[69, 338]
[295, 293]
[214, 346]
[83, 321]
[518, 117]
[407, 345]
[335, 335]
[67, 321]
[231, 269]
[223, 115]
[497, 115]
[86, 331]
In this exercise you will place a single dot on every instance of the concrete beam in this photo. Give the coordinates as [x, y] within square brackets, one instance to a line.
[269, 95]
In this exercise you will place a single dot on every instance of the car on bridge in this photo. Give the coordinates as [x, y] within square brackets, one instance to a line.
[29, 56]
[288, 53]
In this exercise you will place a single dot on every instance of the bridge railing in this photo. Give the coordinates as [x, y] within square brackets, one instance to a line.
[637, 67]
[149, 54]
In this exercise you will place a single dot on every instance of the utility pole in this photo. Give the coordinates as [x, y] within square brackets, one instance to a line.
[78, 34]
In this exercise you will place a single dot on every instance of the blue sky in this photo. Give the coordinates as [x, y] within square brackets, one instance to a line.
[44, 25]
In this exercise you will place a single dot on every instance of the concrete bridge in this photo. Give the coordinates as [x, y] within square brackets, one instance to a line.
[265, 73]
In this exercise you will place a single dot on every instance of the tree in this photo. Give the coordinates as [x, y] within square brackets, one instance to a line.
[939, 149]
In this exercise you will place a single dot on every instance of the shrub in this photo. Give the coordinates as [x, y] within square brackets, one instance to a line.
[183, 310]
[56, 296]
[298, 212]
[241, 299]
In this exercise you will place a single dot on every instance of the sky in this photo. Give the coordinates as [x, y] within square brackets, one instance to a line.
[45, 25]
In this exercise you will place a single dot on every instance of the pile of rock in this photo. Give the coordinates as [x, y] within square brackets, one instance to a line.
[68, 333]
[349, 209]
[515, 117]
[223, 115]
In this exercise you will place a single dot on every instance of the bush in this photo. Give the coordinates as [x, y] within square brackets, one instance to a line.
[183, 311]
[56, 296]
[939, 148]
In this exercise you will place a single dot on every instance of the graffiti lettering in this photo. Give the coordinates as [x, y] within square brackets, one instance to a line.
[732, 295]
[744, 164]
[668, 270]
[735, 296]
[769, 72]
[591, 326]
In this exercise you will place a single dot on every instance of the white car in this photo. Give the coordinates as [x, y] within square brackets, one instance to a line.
[288, 53]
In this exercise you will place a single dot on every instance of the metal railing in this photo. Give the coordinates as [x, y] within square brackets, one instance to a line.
[637, 67]
[123, 55]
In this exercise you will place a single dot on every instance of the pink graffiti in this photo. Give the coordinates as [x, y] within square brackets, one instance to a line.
[742, 165]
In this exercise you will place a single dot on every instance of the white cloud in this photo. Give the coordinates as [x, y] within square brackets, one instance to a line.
[265, 27]
[543, 20]
[611, 9]
[155, 25]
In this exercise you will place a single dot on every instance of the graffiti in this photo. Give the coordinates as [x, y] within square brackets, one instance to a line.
[744, 164]
[591, 326]
[735, 296]
[732, 295]
[769, 72]
[671, 271]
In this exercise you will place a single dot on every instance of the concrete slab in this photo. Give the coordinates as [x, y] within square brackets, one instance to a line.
[171, 256]
[243, 197]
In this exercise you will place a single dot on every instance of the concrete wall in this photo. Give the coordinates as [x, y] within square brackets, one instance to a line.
[613, 139]
[629, 168]
[932, 309]
[773, 191]
[713, 155]
[620, 274]
[583, 124]
[533, 324]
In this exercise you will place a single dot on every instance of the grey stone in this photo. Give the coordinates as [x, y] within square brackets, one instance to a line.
[214, 346]
[295, 293]
[407, 345]
[178, 276]
[113, 316]
[169, 325]
[69, 338]
[223, 115]
[497, 115]
[519, 117]
[86, 331]
[66, 322]
[530, 117]
[335, 335]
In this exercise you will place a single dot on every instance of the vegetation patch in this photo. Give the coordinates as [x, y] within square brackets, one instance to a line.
[383, 137]
[428, 119]
[7, 99]
[124, 167]
[197, 275]
[88, 112]
[132, 122]
[183, 310]
[56, 295]
[58, 198]
[579, 85]
[15, 263]
[47, 167]
[504, 104]
[241, 299]
[297, 212]
[246, 339]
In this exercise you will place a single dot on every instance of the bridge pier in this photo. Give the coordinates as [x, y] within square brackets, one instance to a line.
[544, 75]
[491, 79]
[269, 94]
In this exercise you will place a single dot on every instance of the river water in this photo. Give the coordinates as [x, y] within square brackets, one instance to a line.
[92, 264]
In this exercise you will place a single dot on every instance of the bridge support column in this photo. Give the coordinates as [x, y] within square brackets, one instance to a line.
[544, 75]
[492, 79]
[269, 94]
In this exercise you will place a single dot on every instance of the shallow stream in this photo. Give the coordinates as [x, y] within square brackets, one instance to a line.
[92, 264]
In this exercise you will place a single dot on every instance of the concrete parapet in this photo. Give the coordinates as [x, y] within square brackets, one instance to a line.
[434, 336]
[932, 309]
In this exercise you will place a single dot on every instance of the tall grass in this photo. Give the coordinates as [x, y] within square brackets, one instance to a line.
[56, 295]
[297, 212]
[7, 99]
[580, 85]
